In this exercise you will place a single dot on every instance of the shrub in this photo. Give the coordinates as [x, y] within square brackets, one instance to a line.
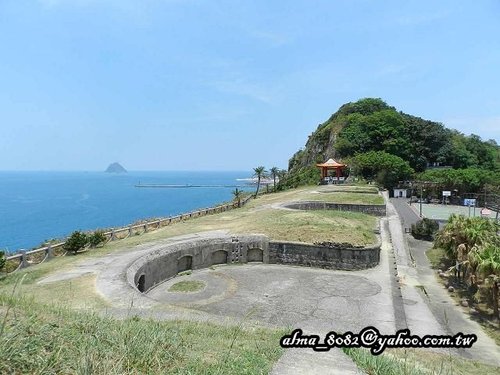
[425, 229]
[97, 238]
[2, 259]
[77, 241]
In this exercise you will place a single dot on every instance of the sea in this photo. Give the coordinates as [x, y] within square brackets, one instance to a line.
[38, 206]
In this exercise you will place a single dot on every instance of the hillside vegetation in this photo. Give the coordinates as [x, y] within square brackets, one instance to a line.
[408, 142]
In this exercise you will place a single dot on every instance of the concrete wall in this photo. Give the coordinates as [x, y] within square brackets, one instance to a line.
[167, 261]
[370, 209]
[338, 257]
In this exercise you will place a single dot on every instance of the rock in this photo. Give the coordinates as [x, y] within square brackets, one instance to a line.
[473, 311]
[451, 289]
[115, 168]
[443, 275]
[464, 303]
[440, 271]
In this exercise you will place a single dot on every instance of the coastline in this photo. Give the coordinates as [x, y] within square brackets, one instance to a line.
[40, 206]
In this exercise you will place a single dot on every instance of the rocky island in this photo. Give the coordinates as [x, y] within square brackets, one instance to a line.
[115, 168]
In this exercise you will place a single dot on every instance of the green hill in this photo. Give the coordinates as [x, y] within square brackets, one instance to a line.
[371, 125]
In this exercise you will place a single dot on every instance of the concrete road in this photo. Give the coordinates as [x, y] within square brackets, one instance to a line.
[428, 308]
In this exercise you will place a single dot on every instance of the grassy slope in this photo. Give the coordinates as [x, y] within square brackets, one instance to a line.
[416, 362]
[49, 340]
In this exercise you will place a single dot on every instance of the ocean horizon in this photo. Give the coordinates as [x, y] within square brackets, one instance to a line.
[36, 206]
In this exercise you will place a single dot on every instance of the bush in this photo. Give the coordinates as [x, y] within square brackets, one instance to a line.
[425, 229]
[77, 241]
[97, 238]
[2, 259]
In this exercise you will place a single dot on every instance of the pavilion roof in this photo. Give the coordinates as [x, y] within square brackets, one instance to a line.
[330, 163]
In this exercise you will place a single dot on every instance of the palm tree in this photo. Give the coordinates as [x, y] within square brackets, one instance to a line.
[260, 172]
[485, 260]
[274, 173]
[237, 196]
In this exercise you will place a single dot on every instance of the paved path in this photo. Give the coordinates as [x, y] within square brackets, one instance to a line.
[419, 317]
[447, 318]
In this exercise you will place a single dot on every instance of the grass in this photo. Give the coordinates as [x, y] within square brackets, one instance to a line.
[416, 362]
[42, 339]
[437, 363]
[310, 226]
[301, 226]
[187, 286]
[436, 257]
[344, 197]
[382, 364]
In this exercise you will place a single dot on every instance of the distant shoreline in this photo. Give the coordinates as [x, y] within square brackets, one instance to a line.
[181, 186]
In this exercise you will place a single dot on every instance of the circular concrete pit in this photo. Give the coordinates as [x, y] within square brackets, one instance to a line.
[241, 289]
[282, 295]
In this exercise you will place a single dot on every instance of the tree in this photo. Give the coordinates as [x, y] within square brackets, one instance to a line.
[379, 131]
[77, 241]
[468, 180]
[425, 229]
[486, 261]
[2, 259]
[97, 238]
[479, 235]
[274, 173]
[237, 193]
[260, 172]
[381, 166]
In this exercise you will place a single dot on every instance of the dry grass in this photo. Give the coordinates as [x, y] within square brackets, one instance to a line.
[42, 339]
[437, 363]
[416, 362]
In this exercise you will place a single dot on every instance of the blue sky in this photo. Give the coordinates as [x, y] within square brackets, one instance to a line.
[229, 85]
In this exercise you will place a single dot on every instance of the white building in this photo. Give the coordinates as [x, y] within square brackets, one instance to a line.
[402, 193]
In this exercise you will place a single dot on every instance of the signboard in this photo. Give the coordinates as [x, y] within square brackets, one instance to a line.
[446, 193]
[469, 202]
[485, 212]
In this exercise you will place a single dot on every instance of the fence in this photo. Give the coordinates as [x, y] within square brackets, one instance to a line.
[46, 253]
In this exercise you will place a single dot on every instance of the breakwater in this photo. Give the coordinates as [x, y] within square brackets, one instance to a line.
[183, 186]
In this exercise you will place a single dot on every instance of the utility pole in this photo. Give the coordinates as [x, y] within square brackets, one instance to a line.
[421, 193]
